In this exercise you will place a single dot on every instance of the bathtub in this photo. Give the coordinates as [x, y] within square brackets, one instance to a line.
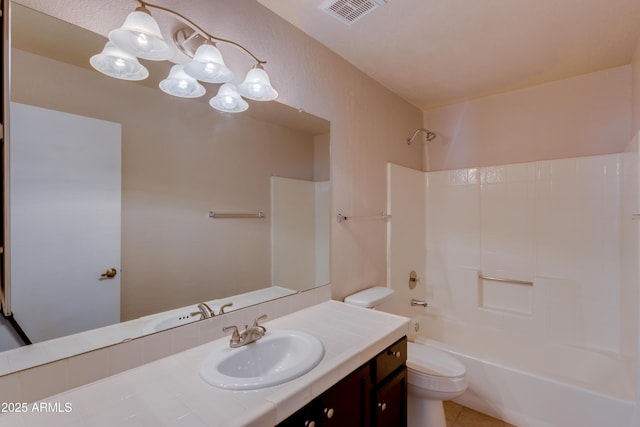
[527, 385]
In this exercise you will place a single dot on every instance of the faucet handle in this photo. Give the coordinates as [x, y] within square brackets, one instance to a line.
[258, 320]
[229, 304]
[235, 337]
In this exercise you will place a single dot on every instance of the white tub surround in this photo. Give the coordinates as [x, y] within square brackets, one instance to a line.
[540, 259]
[548, 385]
[170, 391]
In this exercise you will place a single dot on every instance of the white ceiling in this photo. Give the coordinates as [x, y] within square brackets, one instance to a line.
[438, 52]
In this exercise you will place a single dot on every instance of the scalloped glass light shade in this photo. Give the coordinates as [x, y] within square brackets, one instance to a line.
[115, 62]
[140, 35]
[207, 65]
[179, 83]
[257, 86]
[228, 100]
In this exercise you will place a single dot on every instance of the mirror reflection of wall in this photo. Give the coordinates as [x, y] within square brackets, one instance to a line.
[180, 160]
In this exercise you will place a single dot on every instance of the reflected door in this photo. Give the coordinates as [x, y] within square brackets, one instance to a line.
[64, 208]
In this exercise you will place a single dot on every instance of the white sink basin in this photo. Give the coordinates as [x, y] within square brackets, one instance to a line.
[278, 357]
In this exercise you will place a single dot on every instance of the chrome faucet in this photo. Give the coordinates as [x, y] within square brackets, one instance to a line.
[229, 304]
[248, 335]
[204, 311]
[418, 302]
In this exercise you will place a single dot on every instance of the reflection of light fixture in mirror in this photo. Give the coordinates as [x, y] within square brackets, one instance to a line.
[181, 84]
[228, 100]
[141, 37]
[118, 63]
[257, 86]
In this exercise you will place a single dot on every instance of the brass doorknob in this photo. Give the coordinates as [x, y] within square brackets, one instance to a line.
[109, 274]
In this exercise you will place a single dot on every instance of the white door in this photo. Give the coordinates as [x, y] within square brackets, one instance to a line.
[64, 213]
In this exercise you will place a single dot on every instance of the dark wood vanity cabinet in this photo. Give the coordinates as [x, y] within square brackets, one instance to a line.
[390, 402]
[373, 395]
[389, 386]
[344, 404]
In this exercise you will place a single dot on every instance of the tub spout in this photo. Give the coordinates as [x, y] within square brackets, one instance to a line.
[418, 302]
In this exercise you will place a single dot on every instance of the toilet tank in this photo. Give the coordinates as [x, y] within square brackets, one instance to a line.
[373, 297]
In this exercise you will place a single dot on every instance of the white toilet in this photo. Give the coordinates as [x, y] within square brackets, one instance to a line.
[432, 375]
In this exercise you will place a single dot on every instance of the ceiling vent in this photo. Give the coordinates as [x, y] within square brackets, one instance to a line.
[349, 11]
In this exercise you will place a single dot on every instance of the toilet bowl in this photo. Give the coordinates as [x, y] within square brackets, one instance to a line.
[432, 375]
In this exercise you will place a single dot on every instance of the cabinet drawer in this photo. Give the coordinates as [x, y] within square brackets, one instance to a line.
[389, 360]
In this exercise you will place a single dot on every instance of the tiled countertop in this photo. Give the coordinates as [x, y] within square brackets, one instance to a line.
[170, 391]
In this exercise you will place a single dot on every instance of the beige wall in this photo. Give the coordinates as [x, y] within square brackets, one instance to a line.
[636, 90]
[581, 116]
[321, 158]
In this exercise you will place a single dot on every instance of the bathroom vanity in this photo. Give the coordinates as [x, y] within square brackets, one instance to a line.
[373, 395]
[364, 350]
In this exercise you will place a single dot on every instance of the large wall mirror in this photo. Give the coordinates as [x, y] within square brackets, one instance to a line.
[112, 185]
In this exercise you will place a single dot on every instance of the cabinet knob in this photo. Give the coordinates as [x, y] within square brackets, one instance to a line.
[309, 424]
[328, 412]
[397, 354]
[382, 406]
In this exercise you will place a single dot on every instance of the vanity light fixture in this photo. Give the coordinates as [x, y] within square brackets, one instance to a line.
[228, 100]
[207, 65]
[257, 86]
[140, 37]
[118, 63]
[181, 84]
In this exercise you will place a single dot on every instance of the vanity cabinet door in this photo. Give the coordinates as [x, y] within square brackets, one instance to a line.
[389, 402]
[347, 403]
[309, 416]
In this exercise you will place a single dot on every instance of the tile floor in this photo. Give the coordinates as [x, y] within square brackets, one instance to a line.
[460, 416]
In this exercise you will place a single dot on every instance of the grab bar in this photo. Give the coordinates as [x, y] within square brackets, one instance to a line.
[503, 280]
[258, 214]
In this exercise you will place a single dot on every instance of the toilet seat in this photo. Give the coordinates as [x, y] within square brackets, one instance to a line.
[431, 361]
[432, 369]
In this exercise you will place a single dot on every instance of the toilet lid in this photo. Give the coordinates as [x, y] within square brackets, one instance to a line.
[428, 360]
[371, 297]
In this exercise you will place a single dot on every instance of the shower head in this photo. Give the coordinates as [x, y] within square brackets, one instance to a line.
[429, 136]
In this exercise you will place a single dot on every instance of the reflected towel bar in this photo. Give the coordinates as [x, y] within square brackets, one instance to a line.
[382, 215]
[500, 279]
[258, 214]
